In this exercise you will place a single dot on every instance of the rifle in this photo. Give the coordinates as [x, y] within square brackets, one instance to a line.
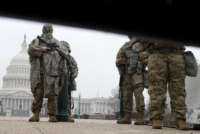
[122, 71]
[121, 112]
[70, 86]
[54, 47]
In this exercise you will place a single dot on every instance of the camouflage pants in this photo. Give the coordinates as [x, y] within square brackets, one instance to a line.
[38, 100]
[128, 88]
[51, 85]
[166, 71]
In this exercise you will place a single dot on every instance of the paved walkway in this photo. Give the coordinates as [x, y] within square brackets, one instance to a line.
[14, 125]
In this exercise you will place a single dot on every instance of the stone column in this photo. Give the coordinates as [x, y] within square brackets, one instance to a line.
[28, 104]
[25, 104]
[5, 103]
[8, 102]
[17, 103]
[22, 104]
[12, 103]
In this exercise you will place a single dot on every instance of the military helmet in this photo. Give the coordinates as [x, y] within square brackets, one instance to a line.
[47, 28]
[66, 45]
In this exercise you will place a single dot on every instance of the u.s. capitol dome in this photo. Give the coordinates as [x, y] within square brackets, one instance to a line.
[17, 74]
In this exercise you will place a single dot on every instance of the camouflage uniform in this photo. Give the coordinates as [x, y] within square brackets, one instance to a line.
[71, 69]
[133, 79]
[74, 72]
[44, 75]
[166, 71]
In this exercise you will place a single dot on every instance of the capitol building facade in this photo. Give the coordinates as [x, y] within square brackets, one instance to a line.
[16, 97]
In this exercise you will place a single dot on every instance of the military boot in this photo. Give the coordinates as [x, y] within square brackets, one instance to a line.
[52, 106]
[180, 124]
[35, 117]
[140, 119]
[126, 119]
[157, 124]
[70, 119]
[52, 118]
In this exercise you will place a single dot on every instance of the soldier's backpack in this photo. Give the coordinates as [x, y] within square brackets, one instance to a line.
[191, 67]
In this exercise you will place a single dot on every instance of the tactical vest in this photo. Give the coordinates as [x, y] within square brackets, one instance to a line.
[133, 58]
[134, 64]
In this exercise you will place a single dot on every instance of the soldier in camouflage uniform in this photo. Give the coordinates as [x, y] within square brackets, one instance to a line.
[131, 67]
[166, 71]
[71, 69]
[44, 75]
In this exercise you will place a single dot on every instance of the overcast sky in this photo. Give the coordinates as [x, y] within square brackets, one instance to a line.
[94, 51]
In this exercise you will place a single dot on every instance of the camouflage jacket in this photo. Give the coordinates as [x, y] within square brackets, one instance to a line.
[73, 66]
[68, 67]
[128, 59]
[47, 63]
